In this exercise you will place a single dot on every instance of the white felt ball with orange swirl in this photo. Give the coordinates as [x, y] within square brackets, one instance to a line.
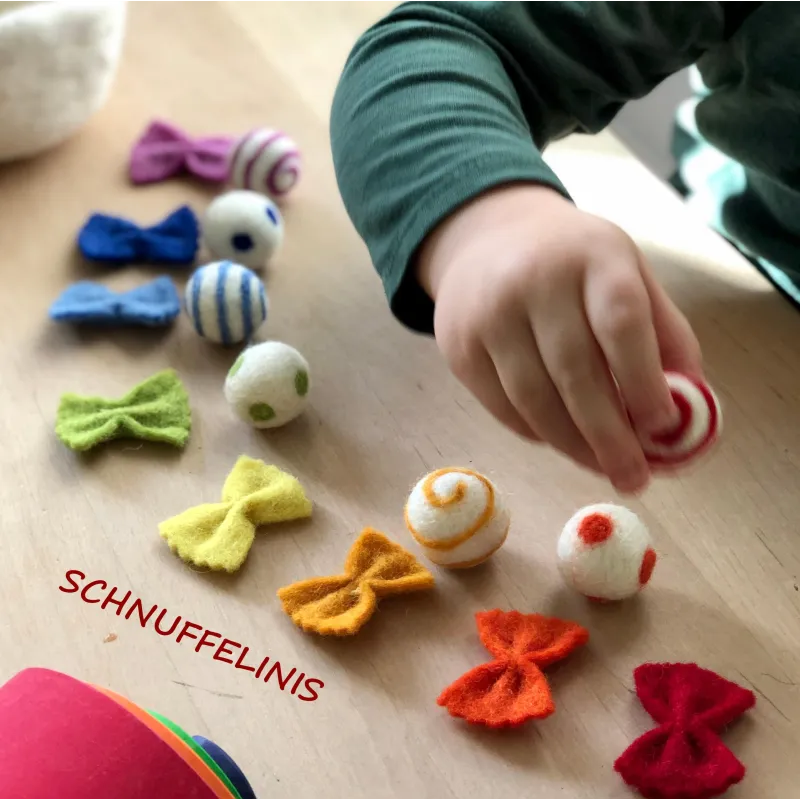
[457, 516]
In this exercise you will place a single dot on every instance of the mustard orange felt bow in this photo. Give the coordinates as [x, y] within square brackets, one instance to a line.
[340, 605]
[512, 689]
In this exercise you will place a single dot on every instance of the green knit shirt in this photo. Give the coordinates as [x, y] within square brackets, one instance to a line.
[440, 101]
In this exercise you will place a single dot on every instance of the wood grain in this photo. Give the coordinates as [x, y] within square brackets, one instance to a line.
[384, 411]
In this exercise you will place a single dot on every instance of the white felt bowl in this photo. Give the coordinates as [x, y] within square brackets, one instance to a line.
[64, 58]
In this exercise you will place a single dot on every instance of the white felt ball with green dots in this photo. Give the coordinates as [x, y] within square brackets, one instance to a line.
[268, 385]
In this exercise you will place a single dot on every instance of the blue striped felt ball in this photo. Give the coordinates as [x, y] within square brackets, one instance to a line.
[225, 302]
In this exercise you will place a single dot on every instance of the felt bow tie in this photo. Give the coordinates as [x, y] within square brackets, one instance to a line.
[340, 605]
[164, 151]
[156, 410]
[512, 689]
[115, 240]
[219, 535]
[684, 756]
[156, 303]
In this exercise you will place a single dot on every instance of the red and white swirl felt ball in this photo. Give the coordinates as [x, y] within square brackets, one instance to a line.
[699, 425]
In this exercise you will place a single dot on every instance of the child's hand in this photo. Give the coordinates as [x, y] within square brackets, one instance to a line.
[542, 311]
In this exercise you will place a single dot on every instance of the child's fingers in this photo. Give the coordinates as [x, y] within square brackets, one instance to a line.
[618, 309]
[678, 345]
[577, 367]
[476, 371]
[528, 386]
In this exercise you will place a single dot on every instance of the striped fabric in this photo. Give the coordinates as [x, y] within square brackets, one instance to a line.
[226, 302]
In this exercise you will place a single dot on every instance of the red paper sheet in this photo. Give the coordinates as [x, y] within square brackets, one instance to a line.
[59, 738]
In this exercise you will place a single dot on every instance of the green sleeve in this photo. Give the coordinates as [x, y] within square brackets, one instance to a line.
[439, 102]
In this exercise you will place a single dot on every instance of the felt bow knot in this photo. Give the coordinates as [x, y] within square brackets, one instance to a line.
[155, 303]
[684, 756]
[164, 151]
[156, 410]
[512, 689]
[115, 240]
[219, 535]
[340, 605]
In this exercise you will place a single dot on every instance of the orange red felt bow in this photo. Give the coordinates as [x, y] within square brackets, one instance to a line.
[684, 756]
[512, 689]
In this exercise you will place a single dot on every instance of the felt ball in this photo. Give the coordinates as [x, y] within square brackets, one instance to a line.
[225, 302]
[243, 226]
[265, 161]
[604, 552]
[268, 385]
[457, 516]
[698, 427]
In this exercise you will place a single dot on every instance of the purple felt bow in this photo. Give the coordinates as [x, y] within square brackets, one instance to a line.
[164, 151]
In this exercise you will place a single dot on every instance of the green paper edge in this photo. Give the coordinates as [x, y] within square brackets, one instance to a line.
[212, 765]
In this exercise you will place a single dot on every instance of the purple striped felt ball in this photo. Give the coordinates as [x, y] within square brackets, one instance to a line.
[265, 161]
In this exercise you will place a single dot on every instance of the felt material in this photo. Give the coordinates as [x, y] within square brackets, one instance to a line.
[268, 385]
[59, 61]
[512, 689]
[684, 756]
[266, 161]
[228, 766]
[214, 782]
[218, 536]
[225, 302]
[197, 751]
[457, 516]
[164, 151]
[86, 302]
[119, 241]
[244, 227]
[63, 739]
[156, 410]
[340, 605]
[605, 552]
[698, 428]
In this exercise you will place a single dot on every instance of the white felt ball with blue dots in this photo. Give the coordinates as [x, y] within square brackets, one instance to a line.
[243, 226]
[268, 385]
[225, 302]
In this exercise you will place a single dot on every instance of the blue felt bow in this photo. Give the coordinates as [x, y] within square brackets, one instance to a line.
[115, 240]
[156, 303]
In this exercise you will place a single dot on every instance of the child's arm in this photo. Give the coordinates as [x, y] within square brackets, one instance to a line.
[437, 129]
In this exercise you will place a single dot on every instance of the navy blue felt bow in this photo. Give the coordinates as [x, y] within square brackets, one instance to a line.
[115, 240]
[156, 303]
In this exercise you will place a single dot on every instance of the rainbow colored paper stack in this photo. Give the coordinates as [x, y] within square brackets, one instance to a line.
[62, 738]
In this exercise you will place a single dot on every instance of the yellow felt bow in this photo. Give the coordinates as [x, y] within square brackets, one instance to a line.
[341, 604]
[219, 535]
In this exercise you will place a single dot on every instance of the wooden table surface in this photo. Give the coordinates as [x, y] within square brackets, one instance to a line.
[384, 410]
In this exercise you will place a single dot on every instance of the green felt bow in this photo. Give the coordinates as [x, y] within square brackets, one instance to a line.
[157, 410]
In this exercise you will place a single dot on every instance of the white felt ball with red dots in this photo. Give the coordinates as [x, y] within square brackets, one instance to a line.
[604, 552]
[698, 427]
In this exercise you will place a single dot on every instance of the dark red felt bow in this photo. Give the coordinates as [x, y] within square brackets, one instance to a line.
[684, 756]
[512, 689]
